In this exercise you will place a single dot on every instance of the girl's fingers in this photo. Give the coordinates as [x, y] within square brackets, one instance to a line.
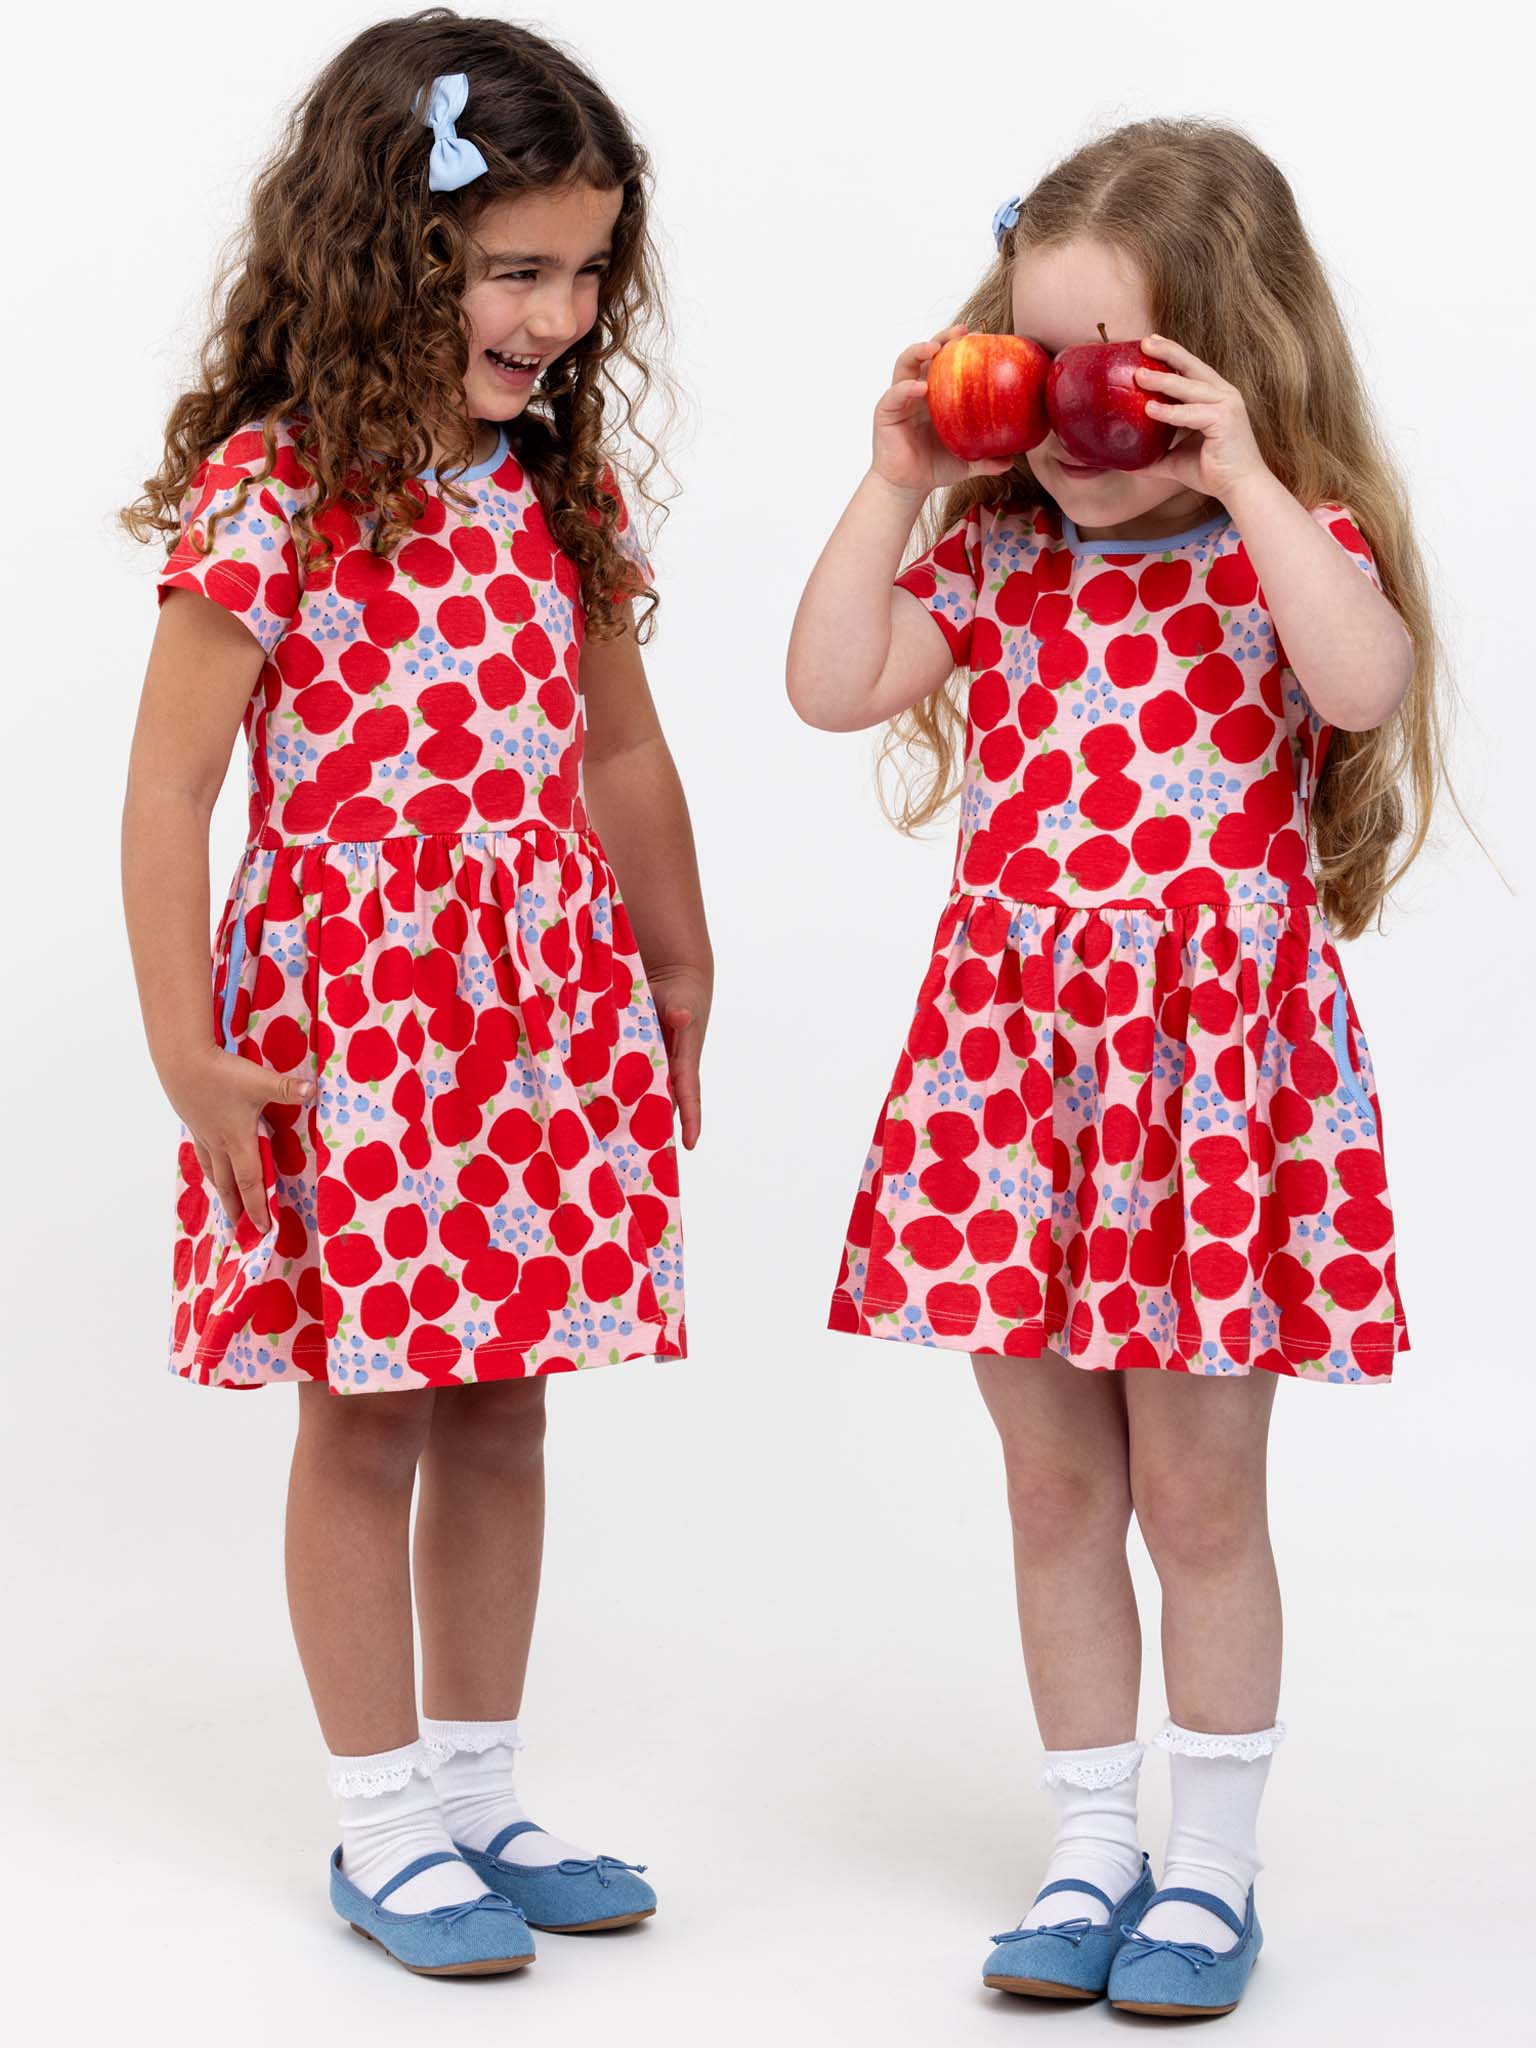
[1174, 352]
[287, 1089]
[1175, 383]
[1197, 416]
[222, 1175]
[683, 1066]
[246, 1163]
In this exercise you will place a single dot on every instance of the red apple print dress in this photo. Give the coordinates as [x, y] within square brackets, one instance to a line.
[424, 922]
[1135, 1120]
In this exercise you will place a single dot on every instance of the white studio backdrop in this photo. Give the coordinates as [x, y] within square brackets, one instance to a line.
[777, 1657]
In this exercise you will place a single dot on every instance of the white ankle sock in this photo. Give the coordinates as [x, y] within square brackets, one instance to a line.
[1218, 1781]
[472, 1771]
[390, 1815]
[1095, 1793]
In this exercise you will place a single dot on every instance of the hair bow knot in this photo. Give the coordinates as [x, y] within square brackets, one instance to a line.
[454, 162]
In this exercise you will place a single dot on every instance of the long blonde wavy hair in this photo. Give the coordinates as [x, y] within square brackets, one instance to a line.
[340, 300]
[1213, 226]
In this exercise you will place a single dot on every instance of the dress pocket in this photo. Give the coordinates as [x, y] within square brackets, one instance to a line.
[1351, 1084]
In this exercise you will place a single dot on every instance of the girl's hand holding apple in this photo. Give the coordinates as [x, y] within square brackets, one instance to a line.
[908, 453]
[1217, 452]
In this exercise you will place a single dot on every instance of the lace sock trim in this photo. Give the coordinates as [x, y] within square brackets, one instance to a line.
[443, 1739]
[366, 1777]
[1093, 1770]
[1248, 1748]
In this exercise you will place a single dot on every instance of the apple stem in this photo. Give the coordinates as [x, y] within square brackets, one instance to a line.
[1102, 335]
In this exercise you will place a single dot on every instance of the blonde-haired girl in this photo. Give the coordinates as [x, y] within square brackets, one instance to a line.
[1134, 1124]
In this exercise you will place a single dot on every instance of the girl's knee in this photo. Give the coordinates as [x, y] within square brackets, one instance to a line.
[1197, 1521]
[1063, 1507]
[374, 1436]
[500, 1427]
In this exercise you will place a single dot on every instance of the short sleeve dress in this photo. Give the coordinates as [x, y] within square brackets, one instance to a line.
[424, 922]
[1135, 1120]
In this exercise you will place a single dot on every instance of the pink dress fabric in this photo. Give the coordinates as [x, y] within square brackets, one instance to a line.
[424, 921]
[1135, 1119]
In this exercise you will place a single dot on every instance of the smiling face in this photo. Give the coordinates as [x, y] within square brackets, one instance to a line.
[536, 292]
[1060, 295]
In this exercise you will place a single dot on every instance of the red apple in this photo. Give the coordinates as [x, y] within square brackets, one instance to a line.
[986, 395]
[1098, 409]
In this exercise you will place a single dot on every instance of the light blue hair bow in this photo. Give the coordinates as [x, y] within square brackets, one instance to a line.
[1005, 218]
[454, 162]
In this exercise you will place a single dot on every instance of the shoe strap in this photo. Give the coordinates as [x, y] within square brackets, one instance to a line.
[499, 1841]
[1076, 1884]
[1208, 1900]
[428, 1862]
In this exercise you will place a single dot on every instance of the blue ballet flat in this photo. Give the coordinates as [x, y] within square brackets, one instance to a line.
[1182, 1979]
[578, 1895]
[479, 1939]
[1071, 1958]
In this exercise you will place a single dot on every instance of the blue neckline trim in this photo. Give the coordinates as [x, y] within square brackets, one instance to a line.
[1156, 546]
[476, 469]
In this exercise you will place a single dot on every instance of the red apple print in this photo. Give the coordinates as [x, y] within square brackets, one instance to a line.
[1131, 659]
[532, 651]
[986, 644]
[461, 621]
[425, 561]
[954, 1306]
[1108, 597]
[1001, 753]
[532, 550]
[1016, 599]
[1051, 615]
[499, 794]
[1166, 721]
[1244, 734]
[1053, 569]
[371, 1055]
[1030, 876]
[1014, 1294]
[1111, 801]
[307, 809]
[445, 705]
[1062, 660]
[1195, 630]
[1162, 585]
[1013, 823]
[1218, 1270]
[1215, 684]
[474, 548]
[390, 618]
[501, 682]
[1048, 778]
[988, 700]
[950, 1186]
[1098, 863]
[379, 734]
[363, 575]
[437, 810]
[510, 600]
[933, 1242]
[352, 1259]
[1108, 748]
[1037, 711]
[1286, 860]
[363, 666]
[451, 753]
[362, 818]
[1161, 844]
[605, 1273]
[557, 701]
[1230, 579]
[1239, 841]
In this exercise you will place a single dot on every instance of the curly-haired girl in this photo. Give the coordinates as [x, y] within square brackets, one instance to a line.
[428, 1150]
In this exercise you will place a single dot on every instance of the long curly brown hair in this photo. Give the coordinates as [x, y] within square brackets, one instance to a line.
[340, 302]
[1212, 224]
